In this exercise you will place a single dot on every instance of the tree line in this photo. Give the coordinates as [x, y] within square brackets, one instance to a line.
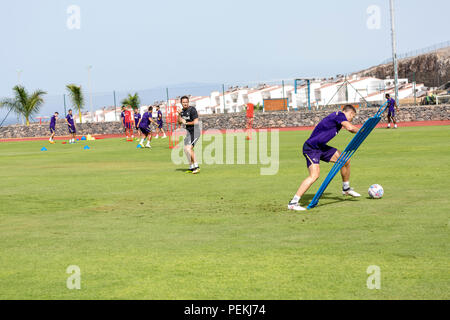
[28, 105]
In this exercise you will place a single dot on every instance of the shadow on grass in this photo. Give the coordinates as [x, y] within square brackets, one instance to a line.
[326, 196]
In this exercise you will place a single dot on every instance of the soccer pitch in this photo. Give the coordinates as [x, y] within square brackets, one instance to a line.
[139, 227]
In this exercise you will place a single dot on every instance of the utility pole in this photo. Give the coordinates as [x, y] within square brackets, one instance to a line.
[394, 51]
[90, 92]
[19, 72]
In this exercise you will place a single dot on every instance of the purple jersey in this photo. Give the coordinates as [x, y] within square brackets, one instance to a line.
[122, 115]
[137, 117]
[53, 122]
[160, 116]
[145, 121]
[326, 130]
[391, 104]
[70, 120]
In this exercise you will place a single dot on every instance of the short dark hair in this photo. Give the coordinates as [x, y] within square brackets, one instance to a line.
[70, 110]
[150, 108]
[388, 95]
[349, 107]
[184, 97]
[56, 112]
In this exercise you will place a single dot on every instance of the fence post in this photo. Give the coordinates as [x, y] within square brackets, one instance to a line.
[115, 105]
[65, 113]
[224, 103]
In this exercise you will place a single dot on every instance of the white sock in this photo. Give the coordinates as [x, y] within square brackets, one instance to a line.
[191, 166]
[346, 186]
[142, 141]
[195, 165]
[296, 199]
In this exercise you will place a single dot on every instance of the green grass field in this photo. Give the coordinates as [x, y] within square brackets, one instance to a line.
[141, 228]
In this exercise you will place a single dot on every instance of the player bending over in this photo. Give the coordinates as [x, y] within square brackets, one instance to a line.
[159, 120]
[144, 126]
[71, 127]
[316, 149]
[189, 117]
[53, 127]
[392, 110]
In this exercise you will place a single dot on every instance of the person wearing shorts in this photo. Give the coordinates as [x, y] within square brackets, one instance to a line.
[316, 149]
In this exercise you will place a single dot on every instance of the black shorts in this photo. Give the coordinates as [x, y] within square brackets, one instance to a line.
[192, 137]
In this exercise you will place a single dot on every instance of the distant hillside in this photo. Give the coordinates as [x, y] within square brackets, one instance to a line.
[431, 69]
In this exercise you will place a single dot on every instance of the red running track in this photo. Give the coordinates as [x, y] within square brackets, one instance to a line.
[111, 136]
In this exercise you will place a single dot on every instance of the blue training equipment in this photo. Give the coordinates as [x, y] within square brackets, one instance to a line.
[44, 149]
[353, 146]
[83, 139]
[87, 148]
[138, 146]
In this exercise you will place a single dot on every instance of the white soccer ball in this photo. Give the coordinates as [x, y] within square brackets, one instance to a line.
[376, 191]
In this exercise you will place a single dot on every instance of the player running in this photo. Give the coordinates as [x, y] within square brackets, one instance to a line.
[189, 117]
[71, 126]
[137, 117]
[316, 149]
[53, 127]
[159, 121]
[144, 126]
[392, 104]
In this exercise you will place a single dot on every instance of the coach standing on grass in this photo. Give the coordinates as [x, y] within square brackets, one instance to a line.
[189, 117]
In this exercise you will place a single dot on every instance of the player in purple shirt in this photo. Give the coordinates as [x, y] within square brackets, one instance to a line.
[71, 126]
[122, 116]
[392, 108]
[144, 126]
[159, 121]
[137, 117]
[53, 127]
[316, 149]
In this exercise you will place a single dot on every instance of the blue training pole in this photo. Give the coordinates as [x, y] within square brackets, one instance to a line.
[352, 147]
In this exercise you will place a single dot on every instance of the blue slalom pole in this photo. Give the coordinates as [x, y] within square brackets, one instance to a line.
[349, 151]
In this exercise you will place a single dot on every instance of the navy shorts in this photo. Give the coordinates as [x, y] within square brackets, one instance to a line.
[52, 130]
[314, 156]
[160, 125]
[391, 113]
[145, 131]
[72, 130]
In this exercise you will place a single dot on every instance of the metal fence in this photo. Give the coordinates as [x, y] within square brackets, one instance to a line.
[418, 52]
[311, 94]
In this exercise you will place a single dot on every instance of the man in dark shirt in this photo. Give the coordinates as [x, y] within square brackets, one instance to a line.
[189, 117]
[316, 149]
[392, 104]
[71, 126]
[53, 127]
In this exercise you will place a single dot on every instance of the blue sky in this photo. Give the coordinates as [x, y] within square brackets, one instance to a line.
[137, 44]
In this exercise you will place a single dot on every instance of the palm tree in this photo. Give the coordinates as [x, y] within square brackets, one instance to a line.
[76, 95]
[132, 100]
[23, 103]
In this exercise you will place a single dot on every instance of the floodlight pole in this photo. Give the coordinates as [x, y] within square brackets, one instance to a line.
[394, 51]
[90, 92]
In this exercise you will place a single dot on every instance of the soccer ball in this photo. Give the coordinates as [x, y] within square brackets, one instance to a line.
[376, 191]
